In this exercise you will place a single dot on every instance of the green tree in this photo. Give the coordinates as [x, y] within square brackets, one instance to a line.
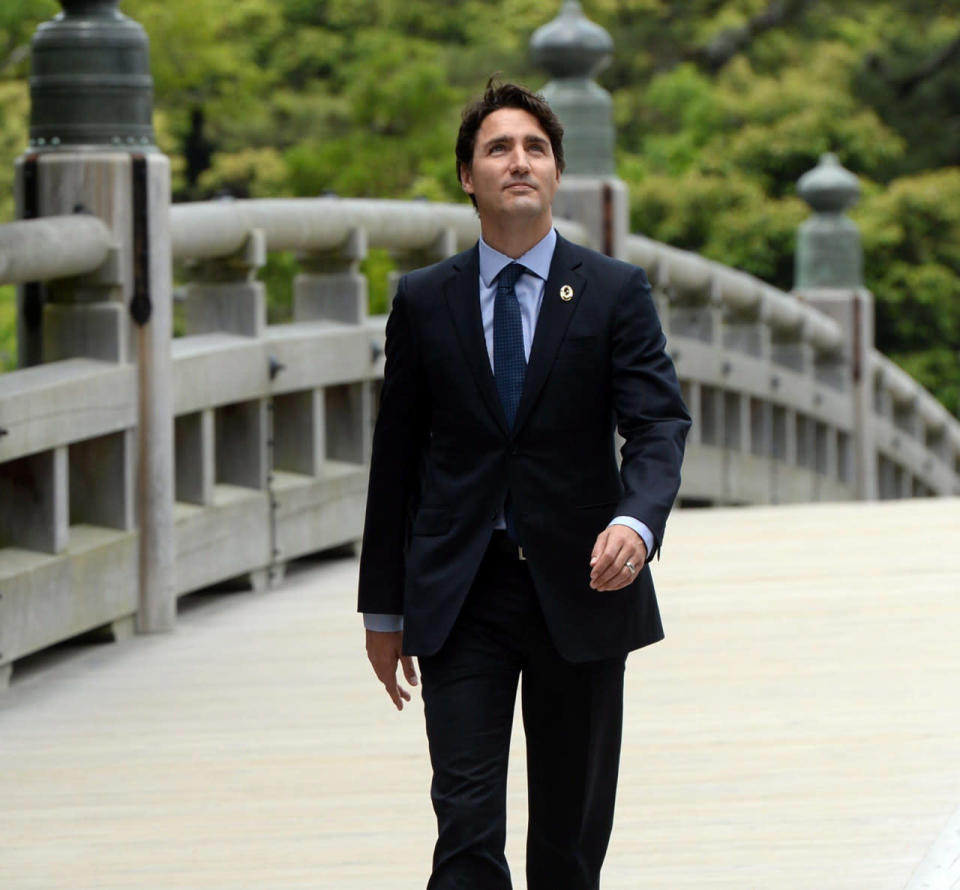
[720, 105]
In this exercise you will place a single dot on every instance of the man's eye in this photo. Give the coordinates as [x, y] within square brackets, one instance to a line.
[496, 149]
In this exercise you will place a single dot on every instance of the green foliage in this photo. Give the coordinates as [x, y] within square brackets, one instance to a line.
[712, 158]
[911, 235]
[278, 276]
[719, 110]
[682, 116]
[248, 173]
[726, 218]
[14, 113]
[18, 21]
[936, 368]
[8, 328]
[782, 123]
[377, 267]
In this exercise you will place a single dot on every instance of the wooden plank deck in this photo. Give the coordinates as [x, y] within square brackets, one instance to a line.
[798, 728]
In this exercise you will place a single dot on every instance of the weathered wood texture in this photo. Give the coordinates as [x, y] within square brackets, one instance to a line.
[798, 728]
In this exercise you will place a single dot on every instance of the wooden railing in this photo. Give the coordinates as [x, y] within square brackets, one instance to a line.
[273, 422]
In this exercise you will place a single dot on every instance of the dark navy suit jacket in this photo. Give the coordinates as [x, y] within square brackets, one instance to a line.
[443, 457]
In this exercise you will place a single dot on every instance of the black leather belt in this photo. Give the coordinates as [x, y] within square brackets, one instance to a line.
[501, 542]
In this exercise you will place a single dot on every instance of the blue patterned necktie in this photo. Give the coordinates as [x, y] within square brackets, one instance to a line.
[509, 361]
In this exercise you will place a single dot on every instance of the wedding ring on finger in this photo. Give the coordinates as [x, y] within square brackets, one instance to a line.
[629, 565]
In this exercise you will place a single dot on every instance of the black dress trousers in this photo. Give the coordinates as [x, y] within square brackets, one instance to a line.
[572, 717]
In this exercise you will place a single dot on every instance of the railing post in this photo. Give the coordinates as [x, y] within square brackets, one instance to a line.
[91, 150]
[224, 293]
[829, 276]
[333, 423]
[574, 50]
[443, 246]
[330, 286]
[744, 329]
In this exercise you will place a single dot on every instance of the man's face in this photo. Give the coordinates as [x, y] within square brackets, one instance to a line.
[514, 172]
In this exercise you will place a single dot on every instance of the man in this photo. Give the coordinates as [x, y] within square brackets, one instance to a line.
[500, 534]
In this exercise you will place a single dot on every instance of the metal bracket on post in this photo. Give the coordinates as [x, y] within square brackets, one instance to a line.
[33, 297]
[274, 367]
[608, 222]
[140, 306]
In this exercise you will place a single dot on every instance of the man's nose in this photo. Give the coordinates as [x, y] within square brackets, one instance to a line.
[519, 160]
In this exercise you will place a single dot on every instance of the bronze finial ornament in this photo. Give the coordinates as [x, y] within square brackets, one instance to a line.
[90, 82]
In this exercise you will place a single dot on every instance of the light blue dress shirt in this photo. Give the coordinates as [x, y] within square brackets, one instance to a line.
[529, 289]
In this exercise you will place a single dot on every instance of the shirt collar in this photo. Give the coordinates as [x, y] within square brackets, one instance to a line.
[537, 259]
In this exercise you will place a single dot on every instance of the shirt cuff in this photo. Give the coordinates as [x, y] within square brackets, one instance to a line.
[639, 527]
[382, 623]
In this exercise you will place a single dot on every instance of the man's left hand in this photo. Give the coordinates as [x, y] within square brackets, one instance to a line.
[616, 546]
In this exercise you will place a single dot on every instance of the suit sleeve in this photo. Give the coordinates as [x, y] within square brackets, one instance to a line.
[651, 416]
[398, 440]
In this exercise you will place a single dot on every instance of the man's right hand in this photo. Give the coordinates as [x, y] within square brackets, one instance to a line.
[384, 651]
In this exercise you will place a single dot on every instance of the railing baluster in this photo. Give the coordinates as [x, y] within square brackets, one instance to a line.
[224, 294]
[330, 286]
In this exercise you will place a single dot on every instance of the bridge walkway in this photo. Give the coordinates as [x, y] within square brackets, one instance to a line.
[798, 728]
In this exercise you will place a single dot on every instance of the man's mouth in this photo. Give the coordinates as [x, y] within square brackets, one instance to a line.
[519, 186]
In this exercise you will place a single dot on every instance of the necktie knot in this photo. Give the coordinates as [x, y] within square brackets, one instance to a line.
[509, 274]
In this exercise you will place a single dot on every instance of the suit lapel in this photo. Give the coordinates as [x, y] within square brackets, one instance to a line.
[462, 291]
[555, 315]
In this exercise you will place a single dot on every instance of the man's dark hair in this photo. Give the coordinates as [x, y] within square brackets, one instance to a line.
[506, 95]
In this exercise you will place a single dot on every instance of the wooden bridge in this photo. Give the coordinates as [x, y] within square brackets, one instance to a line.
[138, 467]
[798, 728]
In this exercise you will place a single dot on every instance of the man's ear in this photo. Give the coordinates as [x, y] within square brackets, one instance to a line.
[466, 180]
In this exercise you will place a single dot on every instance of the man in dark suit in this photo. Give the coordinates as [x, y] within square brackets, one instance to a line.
[502, 542]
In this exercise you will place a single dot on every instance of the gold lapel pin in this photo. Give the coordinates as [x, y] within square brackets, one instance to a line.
[566, 293]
